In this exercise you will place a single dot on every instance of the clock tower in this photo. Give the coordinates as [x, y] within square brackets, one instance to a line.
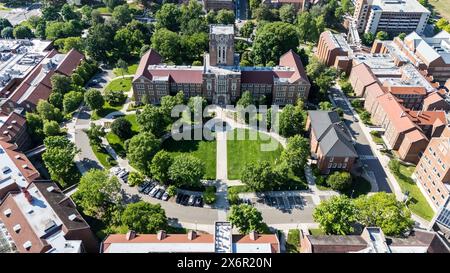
[221, 45]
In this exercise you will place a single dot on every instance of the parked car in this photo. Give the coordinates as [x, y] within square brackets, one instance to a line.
[153, 192]
[116, 170]
[191, 200]
[165, 196]
[149, 188]
[159, 193]
[143, 186]
[198, 201]
[355, 119]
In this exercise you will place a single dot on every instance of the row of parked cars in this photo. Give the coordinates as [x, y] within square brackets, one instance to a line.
[189, 200]
[154, 190]
[121, 173]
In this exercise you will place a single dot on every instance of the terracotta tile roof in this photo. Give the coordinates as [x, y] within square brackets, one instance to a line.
[261, 239]
[402, 90]
[396, 113]
[150, 57]
[427, 117]
[432, 98]
[70, 62]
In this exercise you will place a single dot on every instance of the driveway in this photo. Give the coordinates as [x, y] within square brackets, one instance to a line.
[362, 146]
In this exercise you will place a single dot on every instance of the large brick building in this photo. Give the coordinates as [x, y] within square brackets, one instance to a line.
[330, 143]
[220, 80]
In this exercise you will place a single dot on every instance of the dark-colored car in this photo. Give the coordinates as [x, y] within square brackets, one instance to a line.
[159, 194]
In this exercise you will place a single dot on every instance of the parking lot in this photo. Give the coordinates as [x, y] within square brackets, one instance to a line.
[286, 202]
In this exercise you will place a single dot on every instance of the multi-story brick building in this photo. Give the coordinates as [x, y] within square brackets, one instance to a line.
[299, 5]
[333, 50]
[220, 80]
[40, 218]
[392, 16]
[433, 170]
[13, 129]
[330, 143]
[218, 5]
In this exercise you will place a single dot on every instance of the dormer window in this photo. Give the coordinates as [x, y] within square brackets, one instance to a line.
[27, 245]
[17, 228]
[7, 212]
[50, 189]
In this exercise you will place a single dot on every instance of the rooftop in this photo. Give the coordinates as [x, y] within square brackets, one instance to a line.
[429, 49]
[19, 57]
[399, 6]
[221, 29]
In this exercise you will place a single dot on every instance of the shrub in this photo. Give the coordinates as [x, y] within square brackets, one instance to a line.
[171, 190]
[339, 181]
[209, 195]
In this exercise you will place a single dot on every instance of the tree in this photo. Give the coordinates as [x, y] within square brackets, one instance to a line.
[68, 13]
[272, 40]
[4, 23]
[169, 102]
[383, 210]
[197, 103]
[402, 36]
[167, 43]
[99, 41]
[50, 13]
[95, 133]
[35, 126]
[309, 26]
[66, 44]
[441, 24]
[71, 101]
[144, 217]
[382, 35]
[247, 219]
[296, 154]
[153, 119]
[291, 121]
[186, 170]
[111, 4]
[194, 46]
[56, 99]
[288, 13]
[122, 128]
[94, 99]
[258, 177]
[22, 32]
[122, 15]
[135, 179]
[160, 165]
[336, 215]
[122, 66]
[225, 17]
[60, 83]
[171, 190]
[140, 150]
[247, 29]
[48, 111]
[114, 97]
[339, 181]
[51, 128]
[368, 38]
[58, 158]
[168, 16]
[245, 100]
[96, 192]
[325, 105]
[7, 33]
[263, 13]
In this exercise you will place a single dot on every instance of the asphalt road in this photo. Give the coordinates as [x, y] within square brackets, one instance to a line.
[362, 144]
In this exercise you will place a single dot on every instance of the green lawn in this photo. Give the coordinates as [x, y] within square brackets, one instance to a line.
[103, 10]
[376, 137]
[107, 109]
[102, 156]
[122, 84]
[293, 241]
[202, 149]
[131, 70]
[118, 144]
[316, 231]
[442, 7]
[244, 151]
[417, 204]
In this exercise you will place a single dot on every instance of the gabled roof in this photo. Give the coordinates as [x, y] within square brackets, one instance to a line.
[291, 59]
[150, 57]
[330, 133]
[70, 62]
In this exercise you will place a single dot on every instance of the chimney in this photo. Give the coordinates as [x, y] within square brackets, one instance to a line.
[131, 234]
[253, 235]
[161, 235]
[27, 195]
[192, 235]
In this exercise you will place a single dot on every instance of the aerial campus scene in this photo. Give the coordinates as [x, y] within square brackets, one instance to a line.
[224, 126]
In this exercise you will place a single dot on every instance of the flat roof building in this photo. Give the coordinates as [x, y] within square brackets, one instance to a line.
[391, 16]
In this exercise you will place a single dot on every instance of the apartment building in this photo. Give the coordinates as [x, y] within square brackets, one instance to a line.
[373, 240]
[392, 16]
[218, 5]
[222, 241]
[330, 143]
[401, 133]
[40, 218]
[333, 50]
[13, 129]
[37, 84]
[433, 170]
[16, 171]
[220, 80]
[435, 101]
[429, 54]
